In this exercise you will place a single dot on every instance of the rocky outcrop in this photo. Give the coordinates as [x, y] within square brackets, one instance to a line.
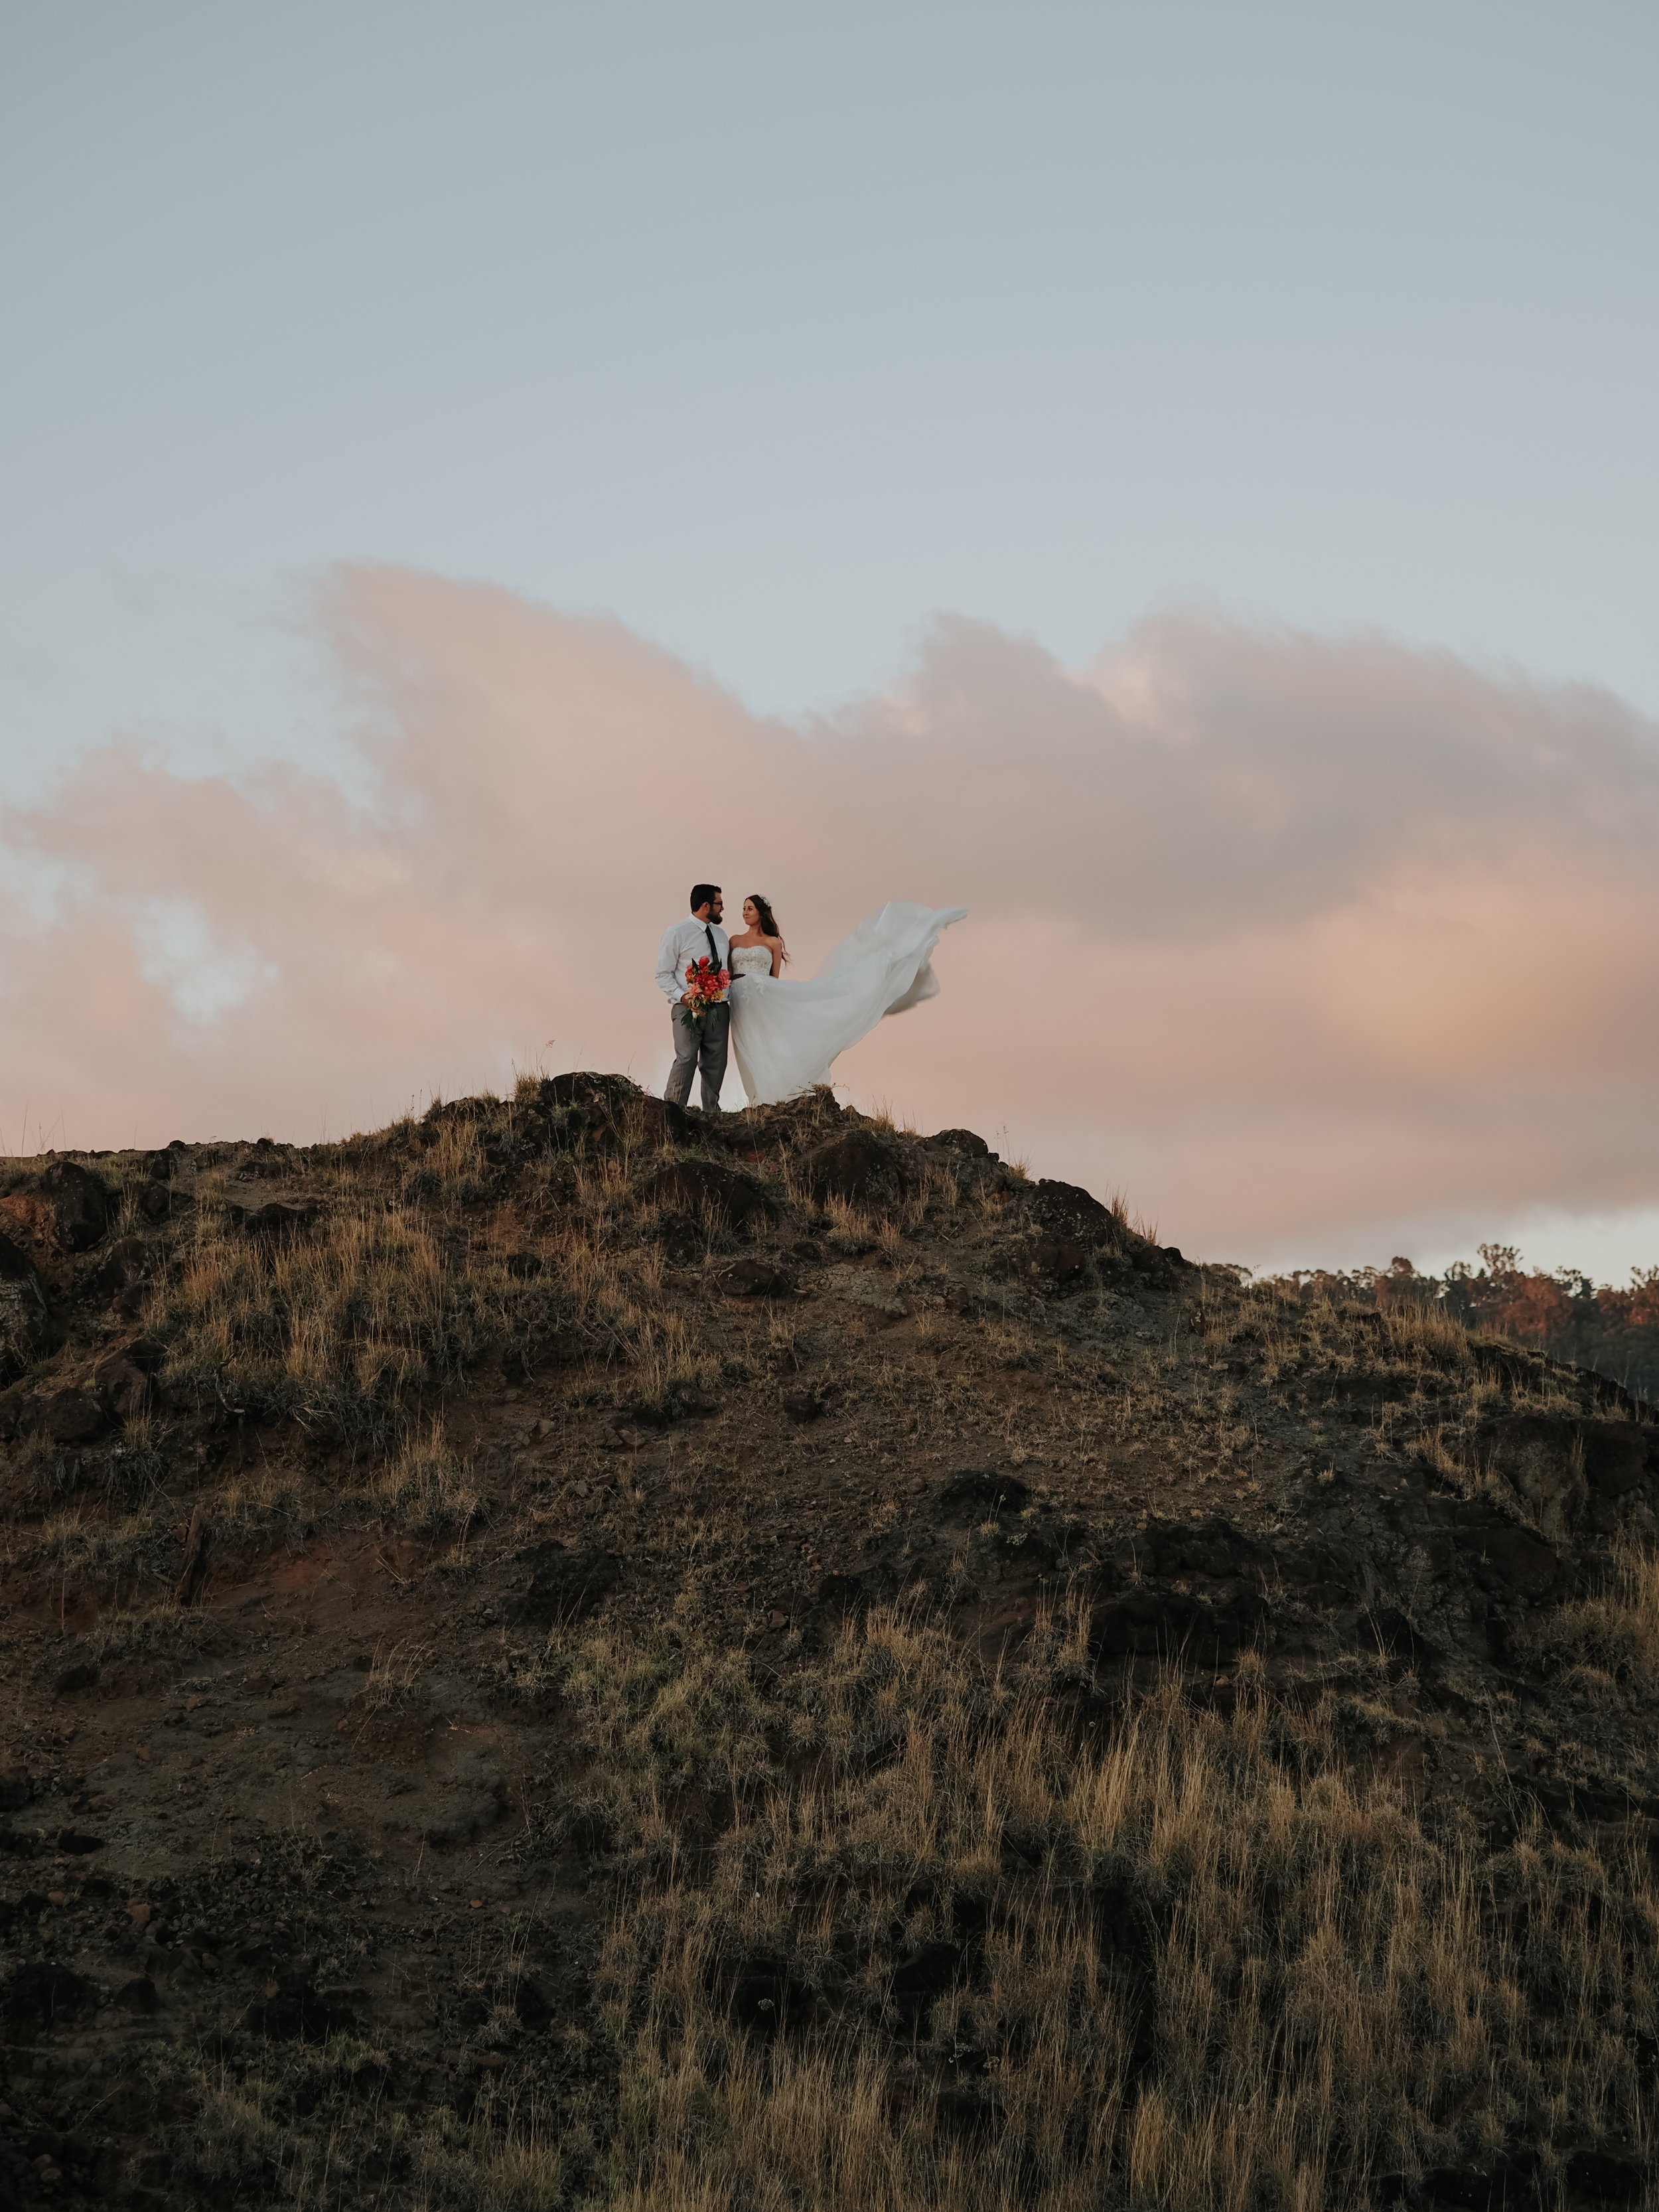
[857, 1168]
[22, 1310]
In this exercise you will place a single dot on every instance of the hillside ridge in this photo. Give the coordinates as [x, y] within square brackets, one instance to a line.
[568, 1652]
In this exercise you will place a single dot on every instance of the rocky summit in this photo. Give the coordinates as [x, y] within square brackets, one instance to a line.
[566, 1653]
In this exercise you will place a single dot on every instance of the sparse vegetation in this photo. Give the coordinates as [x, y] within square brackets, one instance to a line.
[1615, 1630]
[978, 1956]
[1600, 1326]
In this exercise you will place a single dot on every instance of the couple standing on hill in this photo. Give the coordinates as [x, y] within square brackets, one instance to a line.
[785, 1033]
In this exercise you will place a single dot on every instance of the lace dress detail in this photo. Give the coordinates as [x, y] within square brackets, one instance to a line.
[786, 1034]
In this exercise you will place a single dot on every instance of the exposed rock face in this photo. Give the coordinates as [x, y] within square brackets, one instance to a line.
[1074, 1212]
[60, 1208]
[257, 1215]
[609, 1110]
[1565, 1470]
[964, 1141]
[79, 1203]
[1058, 1259]
[22, 1310]
[856, 1166]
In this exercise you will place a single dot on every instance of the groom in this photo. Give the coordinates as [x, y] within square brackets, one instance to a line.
[701, 1045]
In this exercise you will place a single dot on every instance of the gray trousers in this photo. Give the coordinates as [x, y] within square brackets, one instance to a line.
[700, 1046]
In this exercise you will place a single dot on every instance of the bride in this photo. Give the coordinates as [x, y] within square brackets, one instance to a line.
[786, 1034]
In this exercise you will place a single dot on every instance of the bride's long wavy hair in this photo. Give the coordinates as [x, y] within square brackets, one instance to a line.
[769, 920]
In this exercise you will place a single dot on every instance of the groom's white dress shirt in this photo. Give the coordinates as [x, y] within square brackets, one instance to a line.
[683, 943]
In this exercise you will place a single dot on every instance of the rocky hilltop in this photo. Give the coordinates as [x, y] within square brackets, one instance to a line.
[566, 1653]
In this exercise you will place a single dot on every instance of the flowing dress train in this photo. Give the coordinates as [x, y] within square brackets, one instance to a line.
[786, 1034]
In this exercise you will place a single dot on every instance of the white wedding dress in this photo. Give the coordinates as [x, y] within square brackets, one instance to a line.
[785, 1034]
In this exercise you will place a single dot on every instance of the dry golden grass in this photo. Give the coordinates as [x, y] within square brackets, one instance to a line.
[343, 1317]
[1616, 1631]
[356, 1317]
[1201, 1963]
[426, 1486]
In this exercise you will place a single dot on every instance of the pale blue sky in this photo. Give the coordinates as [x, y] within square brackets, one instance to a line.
[776, 329]
[773, 329]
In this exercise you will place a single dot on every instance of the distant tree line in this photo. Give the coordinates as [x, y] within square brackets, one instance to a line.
[1564, 1314]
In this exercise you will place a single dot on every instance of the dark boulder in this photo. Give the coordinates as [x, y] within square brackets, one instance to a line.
[78, 1202]
[584, 1107]
[270, 1217]
[1558, 1464]
[963, 1141]
[1541, 1457]
[854, 1167]
[1618, 1456]
[1058, 1260]
[585, 1087]
[22, 1309]
[1071, 1212]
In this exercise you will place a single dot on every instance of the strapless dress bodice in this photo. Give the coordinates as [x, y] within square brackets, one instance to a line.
[750, 960]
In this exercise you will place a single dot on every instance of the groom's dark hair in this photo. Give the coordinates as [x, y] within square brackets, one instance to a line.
[702, 893]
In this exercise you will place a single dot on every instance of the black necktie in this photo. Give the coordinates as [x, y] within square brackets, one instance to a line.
[713, 956]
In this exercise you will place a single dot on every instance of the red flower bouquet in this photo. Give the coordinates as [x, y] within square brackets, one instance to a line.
[707, 985]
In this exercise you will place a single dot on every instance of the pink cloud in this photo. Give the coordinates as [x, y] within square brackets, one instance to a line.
[1302, 942]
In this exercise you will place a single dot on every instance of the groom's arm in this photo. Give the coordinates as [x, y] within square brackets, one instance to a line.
[669, 982]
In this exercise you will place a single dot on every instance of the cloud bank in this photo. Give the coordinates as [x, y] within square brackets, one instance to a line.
[1305, 943]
